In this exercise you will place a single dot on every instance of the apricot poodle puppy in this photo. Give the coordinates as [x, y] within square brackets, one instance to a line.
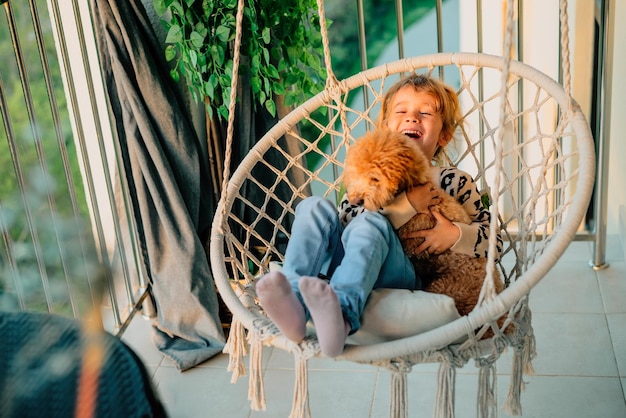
[382, 164]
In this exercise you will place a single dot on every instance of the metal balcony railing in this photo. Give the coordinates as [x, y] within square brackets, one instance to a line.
[62, 204]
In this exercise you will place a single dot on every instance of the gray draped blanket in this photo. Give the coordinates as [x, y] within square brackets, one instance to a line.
[168, 179]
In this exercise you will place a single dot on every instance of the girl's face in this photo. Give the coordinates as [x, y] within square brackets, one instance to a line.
[412, 113]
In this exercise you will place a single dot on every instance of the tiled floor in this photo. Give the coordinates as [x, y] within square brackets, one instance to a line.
[579, 316]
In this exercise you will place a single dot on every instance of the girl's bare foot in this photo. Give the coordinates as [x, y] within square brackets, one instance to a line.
[282, 305]
[323, 304]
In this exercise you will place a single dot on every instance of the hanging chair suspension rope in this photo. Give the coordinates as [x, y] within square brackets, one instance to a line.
[565, 52]
[331, 80]
[333, 86]
[232, 102]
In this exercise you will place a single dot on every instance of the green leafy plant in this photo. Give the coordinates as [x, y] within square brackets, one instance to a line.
[281, 50]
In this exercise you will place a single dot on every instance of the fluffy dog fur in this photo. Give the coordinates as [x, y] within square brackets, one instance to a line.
[382, 164]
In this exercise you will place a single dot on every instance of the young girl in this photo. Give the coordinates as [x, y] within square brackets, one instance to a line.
[359, 248]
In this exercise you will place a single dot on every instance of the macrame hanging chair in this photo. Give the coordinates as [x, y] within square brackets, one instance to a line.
[525, 140]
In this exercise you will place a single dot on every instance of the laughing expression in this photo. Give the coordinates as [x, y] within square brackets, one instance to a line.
[413, 113]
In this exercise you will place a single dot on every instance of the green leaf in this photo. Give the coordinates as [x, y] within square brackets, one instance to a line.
[283, 66]
[228, 69]
[196, 39]
[314, 61]
[272, 71]
[170, 53]
[290, 100]
[182, 70]
[201, 29]
[223, 33]
[189, 3]
[209, 89]
[223, 111]
[193, 57]
[209, 111]
[225, 95]
[225, 81]
[217, 53]
[265, 35]
[159, 7]
[290, 79]
[484, 199]
[266, 56]
[176, 7]
[266, 84]
[174, 35]
[207, 7]
[214, 82]
[271, 107]
[278, 88]
[202, 63]
[174, 74]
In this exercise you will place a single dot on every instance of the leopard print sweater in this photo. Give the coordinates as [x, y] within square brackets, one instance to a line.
[474, 239]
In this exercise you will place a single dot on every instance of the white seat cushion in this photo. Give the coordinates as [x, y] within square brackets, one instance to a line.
[391, 314]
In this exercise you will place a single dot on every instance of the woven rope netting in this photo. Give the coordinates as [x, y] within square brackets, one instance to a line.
[547, 176]
[525, 141]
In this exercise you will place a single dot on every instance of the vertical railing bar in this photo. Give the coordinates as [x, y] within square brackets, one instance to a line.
[439, 13]
[362, 48]
[602, 128]
[400, 29]
[16, 159]
[556, 198]
[521, 191]
[82, 144]
[481, 87]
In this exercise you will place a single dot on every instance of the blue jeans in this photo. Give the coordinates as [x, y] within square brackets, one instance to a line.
[363, 256]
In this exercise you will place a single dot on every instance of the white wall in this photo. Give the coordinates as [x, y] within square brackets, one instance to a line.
[540, 46]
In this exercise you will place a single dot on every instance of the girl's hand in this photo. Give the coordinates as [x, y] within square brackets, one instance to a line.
[438, 239]
[423, 197]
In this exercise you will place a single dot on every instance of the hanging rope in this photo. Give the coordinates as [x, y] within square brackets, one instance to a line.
[331, 80]
[231, 104]
[333, 86]
[565, 52]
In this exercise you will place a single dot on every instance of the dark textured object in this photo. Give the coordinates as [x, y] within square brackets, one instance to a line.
[40, 364]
